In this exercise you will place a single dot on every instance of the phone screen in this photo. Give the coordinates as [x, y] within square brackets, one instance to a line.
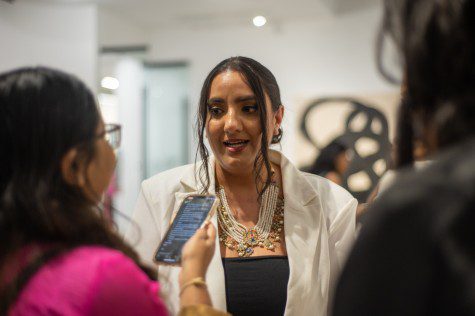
[191, 215]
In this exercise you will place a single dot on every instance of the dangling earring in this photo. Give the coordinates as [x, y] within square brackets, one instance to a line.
[277, 135]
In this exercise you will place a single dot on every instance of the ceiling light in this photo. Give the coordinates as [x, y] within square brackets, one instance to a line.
[110, 83]
[259, 20]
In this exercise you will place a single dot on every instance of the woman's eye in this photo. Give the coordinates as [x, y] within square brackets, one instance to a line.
[214, 111]
[250, 108]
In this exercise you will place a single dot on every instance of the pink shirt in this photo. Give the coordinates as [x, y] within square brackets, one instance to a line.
[90, 280]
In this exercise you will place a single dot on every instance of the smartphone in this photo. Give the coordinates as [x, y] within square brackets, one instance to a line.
[191, 215]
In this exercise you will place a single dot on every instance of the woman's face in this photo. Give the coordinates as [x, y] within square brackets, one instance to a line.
[100, 169]
[232, 123]
[342, 161]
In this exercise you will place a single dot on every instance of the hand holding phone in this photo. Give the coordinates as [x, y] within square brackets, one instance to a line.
[193, 211]
[197, 253]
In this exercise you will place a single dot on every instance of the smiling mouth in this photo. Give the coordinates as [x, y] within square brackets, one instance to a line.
[235, 143]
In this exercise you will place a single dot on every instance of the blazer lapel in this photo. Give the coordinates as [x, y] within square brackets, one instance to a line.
[306, 241]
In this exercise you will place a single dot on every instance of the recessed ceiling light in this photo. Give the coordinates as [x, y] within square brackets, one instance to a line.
[259, 20]
[110, 83]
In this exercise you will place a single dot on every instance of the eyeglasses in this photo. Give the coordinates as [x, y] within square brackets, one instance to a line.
[112, 134]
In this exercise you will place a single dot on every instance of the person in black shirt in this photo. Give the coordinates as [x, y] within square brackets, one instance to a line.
[416, 251]
[415, 254]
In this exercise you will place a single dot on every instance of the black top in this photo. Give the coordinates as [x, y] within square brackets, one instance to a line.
[256, 285]
[416, 251]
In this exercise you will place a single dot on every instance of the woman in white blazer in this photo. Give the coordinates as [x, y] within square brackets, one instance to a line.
[283, 234]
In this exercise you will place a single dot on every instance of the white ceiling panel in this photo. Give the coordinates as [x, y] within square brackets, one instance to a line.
[212, 13]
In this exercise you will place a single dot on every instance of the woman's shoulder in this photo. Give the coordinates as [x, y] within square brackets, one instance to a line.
[65, 283]
[96, 254]
[327, 189]
[335, 201]
[85, 261]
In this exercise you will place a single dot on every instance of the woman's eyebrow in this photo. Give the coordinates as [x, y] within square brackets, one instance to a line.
[246, 98]
[215, 100]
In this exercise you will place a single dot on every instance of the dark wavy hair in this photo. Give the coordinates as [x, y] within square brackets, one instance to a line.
[43, 114]
[435, 43]
[262, 82]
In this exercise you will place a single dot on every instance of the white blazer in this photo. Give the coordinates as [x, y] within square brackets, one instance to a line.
[319, 230]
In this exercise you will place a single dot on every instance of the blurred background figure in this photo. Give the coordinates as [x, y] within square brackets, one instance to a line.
[363, 131]
[332, 162]
[416, 251]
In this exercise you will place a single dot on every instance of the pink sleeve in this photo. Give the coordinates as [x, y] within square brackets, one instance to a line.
[121, 288]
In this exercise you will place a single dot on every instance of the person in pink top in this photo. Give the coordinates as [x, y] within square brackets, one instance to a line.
[58, 256]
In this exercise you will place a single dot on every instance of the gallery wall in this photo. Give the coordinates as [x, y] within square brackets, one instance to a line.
[56, 35]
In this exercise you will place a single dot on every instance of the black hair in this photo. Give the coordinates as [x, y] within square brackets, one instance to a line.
[404, 135]
[325, 161]
[262, 82]
[43, 114]
[435, 41]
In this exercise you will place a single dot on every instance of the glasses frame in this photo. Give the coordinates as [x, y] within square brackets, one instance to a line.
[112, 134]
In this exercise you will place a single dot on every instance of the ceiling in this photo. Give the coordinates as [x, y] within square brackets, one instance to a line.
[198, 13]
[202, 13]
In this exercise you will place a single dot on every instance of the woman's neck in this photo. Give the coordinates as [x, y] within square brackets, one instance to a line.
[232, 180]
[240, 181]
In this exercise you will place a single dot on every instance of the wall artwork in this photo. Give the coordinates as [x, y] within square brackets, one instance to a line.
[362, 127]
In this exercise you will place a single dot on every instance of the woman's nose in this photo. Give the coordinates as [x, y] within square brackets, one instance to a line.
[232, 122]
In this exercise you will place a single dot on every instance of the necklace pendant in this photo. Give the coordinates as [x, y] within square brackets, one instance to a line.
[251, 237]
[244, 250]
[269, 244]
[266, 232]
[241, 250]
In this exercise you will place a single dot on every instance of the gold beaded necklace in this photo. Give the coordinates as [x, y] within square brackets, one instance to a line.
[266, 233]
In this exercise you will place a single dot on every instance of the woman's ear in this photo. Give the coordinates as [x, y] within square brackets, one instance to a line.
[73, 169]
[278, 117]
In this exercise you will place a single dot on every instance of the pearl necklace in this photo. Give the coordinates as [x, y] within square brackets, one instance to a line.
[265, 233]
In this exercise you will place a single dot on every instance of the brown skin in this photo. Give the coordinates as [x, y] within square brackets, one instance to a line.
[195, 263]
[93, 178]
[232, 115]
[334, 177]
[428, 144]
[341, 162]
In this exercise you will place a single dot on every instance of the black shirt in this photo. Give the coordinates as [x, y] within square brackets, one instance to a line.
[256, 285]
[416, 251]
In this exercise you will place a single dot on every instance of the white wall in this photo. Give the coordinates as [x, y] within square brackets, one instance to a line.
[116, 30]
[130, 74]
[311, 58]
[55, 35]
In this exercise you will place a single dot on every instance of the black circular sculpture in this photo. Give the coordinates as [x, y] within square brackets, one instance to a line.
[359, 163]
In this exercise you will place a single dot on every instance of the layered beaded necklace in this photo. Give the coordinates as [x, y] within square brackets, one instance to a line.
[266, 233]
